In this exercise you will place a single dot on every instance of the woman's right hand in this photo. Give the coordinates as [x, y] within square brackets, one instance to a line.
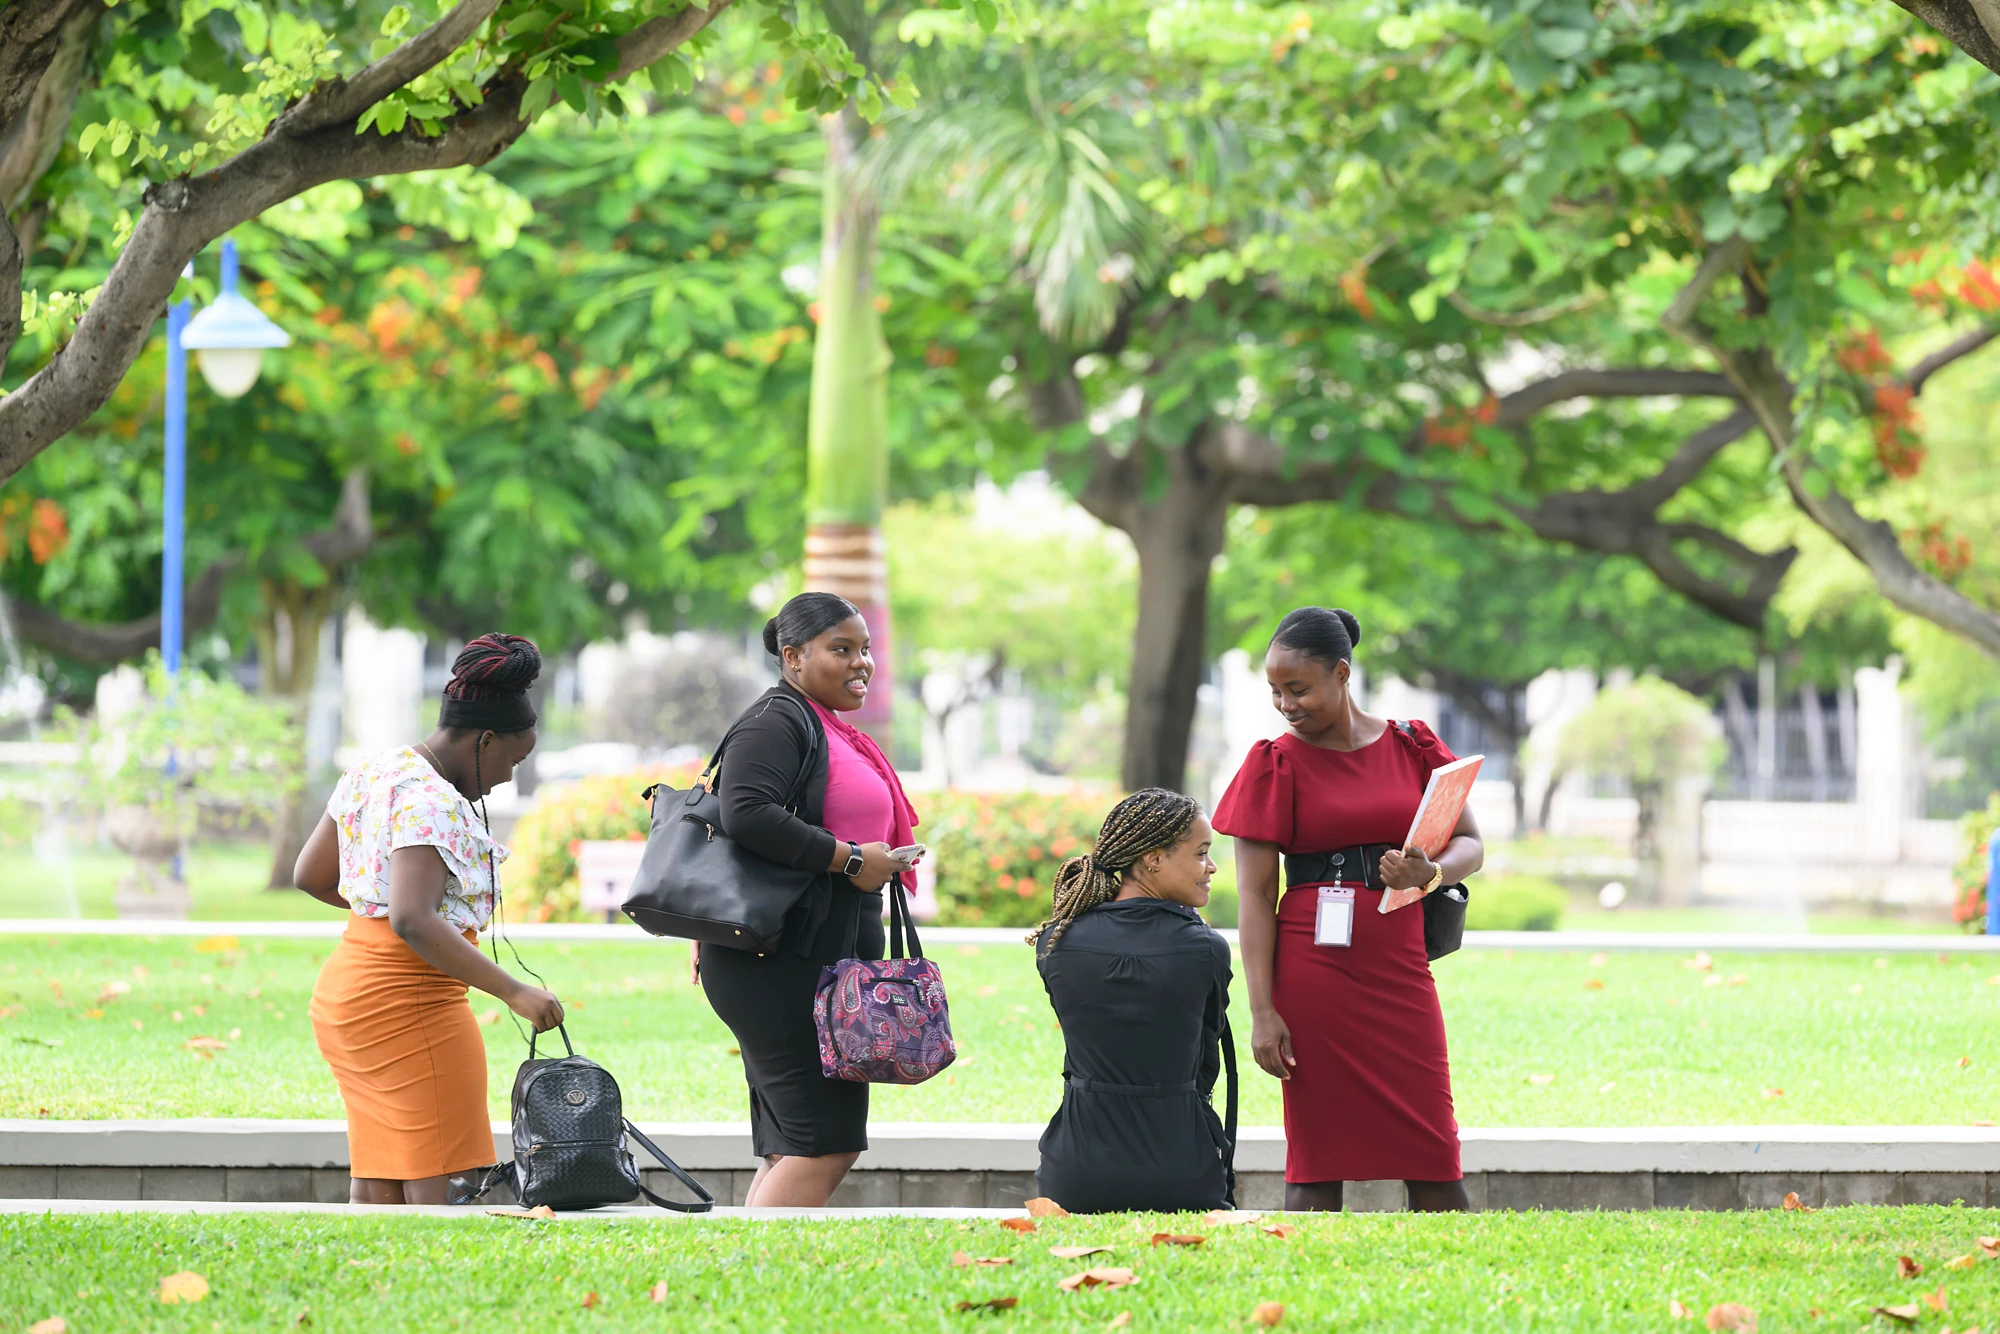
[1271, 1044]
[876, 866]
[538, 1007]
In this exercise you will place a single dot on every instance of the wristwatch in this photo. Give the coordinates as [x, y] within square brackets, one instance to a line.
[854, 860]
[1437, 878]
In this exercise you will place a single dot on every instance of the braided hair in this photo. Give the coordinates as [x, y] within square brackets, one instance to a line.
[1147, 821]
[488, 690]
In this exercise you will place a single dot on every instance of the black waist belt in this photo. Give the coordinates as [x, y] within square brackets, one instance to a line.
[1360, 865]
[1085, 1084]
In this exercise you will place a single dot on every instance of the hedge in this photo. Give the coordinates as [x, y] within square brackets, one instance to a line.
[541, 873]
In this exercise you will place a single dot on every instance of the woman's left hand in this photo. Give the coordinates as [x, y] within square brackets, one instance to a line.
[1407, 870]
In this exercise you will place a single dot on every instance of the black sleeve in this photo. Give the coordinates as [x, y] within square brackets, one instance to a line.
[1213, 1012]
[760, 769]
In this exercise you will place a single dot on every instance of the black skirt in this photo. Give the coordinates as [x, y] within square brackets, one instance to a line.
[767, 1001]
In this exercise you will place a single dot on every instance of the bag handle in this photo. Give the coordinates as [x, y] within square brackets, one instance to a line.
[567, 1049]
[707, 1200]
[901, 920]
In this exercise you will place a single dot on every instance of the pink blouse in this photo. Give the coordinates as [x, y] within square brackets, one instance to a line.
[859, 805]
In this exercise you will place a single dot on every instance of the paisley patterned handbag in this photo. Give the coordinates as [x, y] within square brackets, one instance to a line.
[884, 1021]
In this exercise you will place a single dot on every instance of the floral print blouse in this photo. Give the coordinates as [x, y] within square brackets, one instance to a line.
[397, 800]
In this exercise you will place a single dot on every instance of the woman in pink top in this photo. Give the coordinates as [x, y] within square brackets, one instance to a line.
[807, 1129]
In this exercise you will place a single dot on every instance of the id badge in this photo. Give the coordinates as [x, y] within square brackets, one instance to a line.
[1333, 924]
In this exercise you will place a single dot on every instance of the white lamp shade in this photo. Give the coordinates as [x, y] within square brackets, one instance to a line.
[230, 371]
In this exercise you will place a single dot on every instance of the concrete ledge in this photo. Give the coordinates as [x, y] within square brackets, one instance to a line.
[919, 1147]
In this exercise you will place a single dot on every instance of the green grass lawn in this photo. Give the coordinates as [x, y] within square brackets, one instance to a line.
[226, 881]
[1849, 1039]
[1542, 1272]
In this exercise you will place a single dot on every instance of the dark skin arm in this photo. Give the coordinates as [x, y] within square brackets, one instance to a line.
[1465, 854]
[317, 871]
[417, 878]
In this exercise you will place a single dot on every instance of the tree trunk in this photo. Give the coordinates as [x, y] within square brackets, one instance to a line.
[847, 429]
[1178, 531]
[288, 652]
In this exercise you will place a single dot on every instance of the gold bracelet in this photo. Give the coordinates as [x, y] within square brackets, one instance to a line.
[1437, 877]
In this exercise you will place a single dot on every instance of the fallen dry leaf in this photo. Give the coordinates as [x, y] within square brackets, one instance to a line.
[1607, 1086]
[206, 1044]
[1700, 961]
[1098, 1278]
[186, 1286]
[1077, 1252]
[1731, 1315]
[1964, 1061]
[110, 989]
[658, 1292]
[1120, 1321]
[1226, 1217]
[1738, 979]
[215, 945]
[1990, 1245]
[1539, 1080]
[486, 1017]
[1795, 1205]
[590, 1300]
[1675, 1311]
[1177, 1239]
[990, 1304]
[1044, 1207]
[1268, 1314]
[1599, 959]
[1278, 1230]
[1902, 1315]
[1774, 1093]
[539, 1211]
[964, 1261]
[1592, 984]
[1712, 980]
[1962, 1262]
[1018, 1224]
[1935, 1300]
[55, 1324]
[1907, 1267]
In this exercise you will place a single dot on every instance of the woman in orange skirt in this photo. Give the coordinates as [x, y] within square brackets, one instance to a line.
[401, 847]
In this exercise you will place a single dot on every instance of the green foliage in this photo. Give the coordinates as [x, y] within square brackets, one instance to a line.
[1649, 733]
[541, 878]
[196, 748]
[997, 853]
[1053, 603]
[1514, 903]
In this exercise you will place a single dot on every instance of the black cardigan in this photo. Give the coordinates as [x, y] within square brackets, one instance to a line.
[760, 768]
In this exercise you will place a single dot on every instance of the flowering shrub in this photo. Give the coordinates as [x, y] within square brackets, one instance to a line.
[997, 853]
[541, 875]
[1974, 829]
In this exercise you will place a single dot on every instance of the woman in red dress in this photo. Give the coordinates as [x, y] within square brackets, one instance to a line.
[1344, 1011]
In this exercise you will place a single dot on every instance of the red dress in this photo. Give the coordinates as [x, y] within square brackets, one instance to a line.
[1370, 1097]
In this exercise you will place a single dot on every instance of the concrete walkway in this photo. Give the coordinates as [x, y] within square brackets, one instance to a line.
[1680, 942]
[617, 1213]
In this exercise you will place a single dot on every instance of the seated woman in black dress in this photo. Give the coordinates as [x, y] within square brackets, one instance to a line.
[1140, 985]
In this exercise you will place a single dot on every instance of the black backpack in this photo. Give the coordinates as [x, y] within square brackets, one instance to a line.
[569, 1140]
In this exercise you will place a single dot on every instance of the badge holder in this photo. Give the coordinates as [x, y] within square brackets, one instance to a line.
[1333, 922]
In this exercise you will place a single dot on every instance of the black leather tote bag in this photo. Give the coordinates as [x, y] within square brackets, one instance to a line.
[697, 884]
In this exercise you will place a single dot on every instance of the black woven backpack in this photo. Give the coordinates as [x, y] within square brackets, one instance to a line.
[570, 1140]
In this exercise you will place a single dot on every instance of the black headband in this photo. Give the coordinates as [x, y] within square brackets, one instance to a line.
[509, 713]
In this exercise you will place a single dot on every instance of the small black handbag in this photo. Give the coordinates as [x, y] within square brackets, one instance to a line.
[570, 1137]
[696, 883]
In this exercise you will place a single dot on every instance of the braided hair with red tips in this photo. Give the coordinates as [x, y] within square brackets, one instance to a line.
[488, 690]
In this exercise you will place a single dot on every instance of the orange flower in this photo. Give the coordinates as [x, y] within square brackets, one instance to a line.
[48, 531]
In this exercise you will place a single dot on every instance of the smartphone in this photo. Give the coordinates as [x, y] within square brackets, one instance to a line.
[910, 855]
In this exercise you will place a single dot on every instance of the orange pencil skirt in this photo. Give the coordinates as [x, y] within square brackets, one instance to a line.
[407, 1054]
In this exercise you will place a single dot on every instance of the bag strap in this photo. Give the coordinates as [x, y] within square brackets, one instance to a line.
[1229, 1114]
[560, 1028]
[900, 920]
[707, 1201]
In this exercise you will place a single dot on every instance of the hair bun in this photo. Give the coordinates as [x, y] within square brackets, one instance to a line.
[771, 636]
[494, 665]
[1353, 626]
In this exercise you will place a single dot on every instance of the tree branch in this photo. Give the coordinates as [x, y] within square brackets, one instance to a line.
[182, 216]
[1681, 318]
[30, 142]
[656, 37]
[1616, 382]
[1916, 376]
[1973, 26]
[344, 99]
[1522, 319]
[345, 540]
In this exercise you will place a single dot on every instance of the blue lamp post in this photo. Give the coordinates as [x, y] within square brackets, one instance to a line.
[228, 338]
